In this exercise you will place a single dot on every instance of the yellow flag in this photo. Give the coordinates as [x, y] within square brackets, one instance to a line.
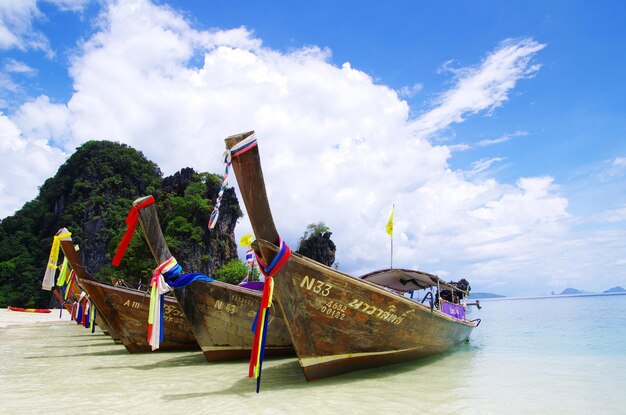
[246, 240]
[389, 227]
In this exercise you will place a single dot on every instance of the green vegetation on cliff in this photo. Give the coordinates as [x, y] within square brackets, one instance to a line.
[91, 195]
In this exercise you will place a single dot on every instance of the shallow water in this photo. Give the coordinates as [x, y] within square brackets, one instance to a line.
[541, 356]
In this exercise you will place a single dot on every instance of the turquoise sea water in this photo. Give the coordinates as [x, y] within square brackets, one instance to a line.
[535, 356]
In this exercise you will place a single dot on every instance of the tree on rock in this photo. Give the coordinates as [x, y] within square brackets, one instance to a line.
[317, 245]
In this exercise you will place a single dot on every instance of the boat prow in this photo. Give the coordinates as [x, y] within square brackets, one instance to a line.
[220, 314]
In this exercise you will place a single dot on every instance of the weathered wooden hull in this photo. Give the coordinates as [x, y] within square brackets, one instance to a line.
[221, 315]
[339, 323]
[127, 313]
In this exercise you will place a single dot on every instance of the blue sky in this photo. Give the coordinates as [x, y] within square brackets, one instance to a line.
[497, 128]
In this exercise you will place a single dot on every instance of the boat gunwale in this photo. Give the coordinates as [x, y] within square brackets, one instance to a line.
[215, 282]
[379, 289]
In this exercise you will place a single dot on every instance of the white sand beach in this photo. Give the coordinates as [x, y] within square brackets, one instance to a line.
[12, 318]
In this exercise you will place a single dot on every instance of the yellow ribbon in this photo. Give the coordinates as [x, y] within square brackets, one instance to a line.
[54, 251]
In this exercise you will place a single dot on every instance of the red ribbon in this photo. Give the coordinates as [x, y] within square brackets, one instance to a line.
[131, 221]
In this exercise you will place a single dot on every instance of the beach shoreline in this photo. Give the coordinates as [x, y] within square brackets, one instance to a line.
[10, 318]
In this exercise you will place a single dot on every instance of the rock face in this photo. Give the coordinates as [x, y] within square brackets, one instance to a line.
[91, 195]
[92, 190]
[319, 247]
[189, 198]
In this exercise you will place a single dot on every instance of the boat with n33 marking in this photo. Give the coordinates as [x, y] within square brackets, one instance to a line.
[339, 323]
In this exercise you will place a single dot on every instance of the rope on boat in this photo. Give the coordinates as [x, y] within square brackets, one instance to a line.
[166, 277]
[239, 148]
[131, 221]
[259, 326]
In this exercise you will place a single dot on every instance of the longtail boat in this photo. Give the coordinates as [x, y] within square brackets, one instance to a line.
[221, 315]
[125, 310]
[339, 323]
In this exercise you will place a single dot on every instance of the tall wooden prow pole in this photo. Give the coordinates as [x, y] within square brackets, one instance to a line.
[249, 176]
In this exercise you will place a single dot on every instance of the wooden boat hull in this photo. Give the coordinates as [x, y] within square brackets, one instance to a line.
[339, 323]
[221, 315]
[127, 312]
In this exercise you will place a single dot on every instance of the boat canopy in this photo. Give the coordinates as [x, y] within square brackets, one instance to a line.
[406, 280]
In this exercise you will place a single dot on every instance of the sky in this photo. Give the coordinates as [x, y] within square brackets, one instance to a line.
[497, 129]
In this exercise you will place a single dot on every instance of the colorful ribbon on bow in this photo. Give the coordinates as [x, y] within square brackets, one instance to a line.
[51, 269]
[166, 277]
[78, 316]
[63, 274]
[259, 326]
[89, 319]
[131, 221]
[239, 148]
[93, 318]
[155, 315]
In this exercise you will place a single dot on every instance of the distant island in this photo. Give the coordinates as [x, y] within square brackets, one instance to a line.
[576, 291]
[570, 291]
[480, 296]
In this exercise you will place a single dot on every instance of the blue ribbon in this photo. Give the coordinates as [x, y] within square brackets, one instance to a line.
[176, 279]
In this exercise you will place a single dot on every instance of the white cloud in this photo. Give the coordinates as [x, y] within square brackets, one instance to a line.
[44, 121]
[16, 23]
[15, 66]
[335, 146]
[25, 164]
[410, 91]
[16, 28]
[615, 215]
[69, 5]
[487, 142]
[619, 162]
[483, 88]
[610, 170]
[502, 139]
[483, 164]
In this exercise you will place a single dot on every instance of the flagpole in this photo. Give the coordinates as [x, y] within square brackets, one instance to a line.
[393, 209]
[392, 251]
[389, 230]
